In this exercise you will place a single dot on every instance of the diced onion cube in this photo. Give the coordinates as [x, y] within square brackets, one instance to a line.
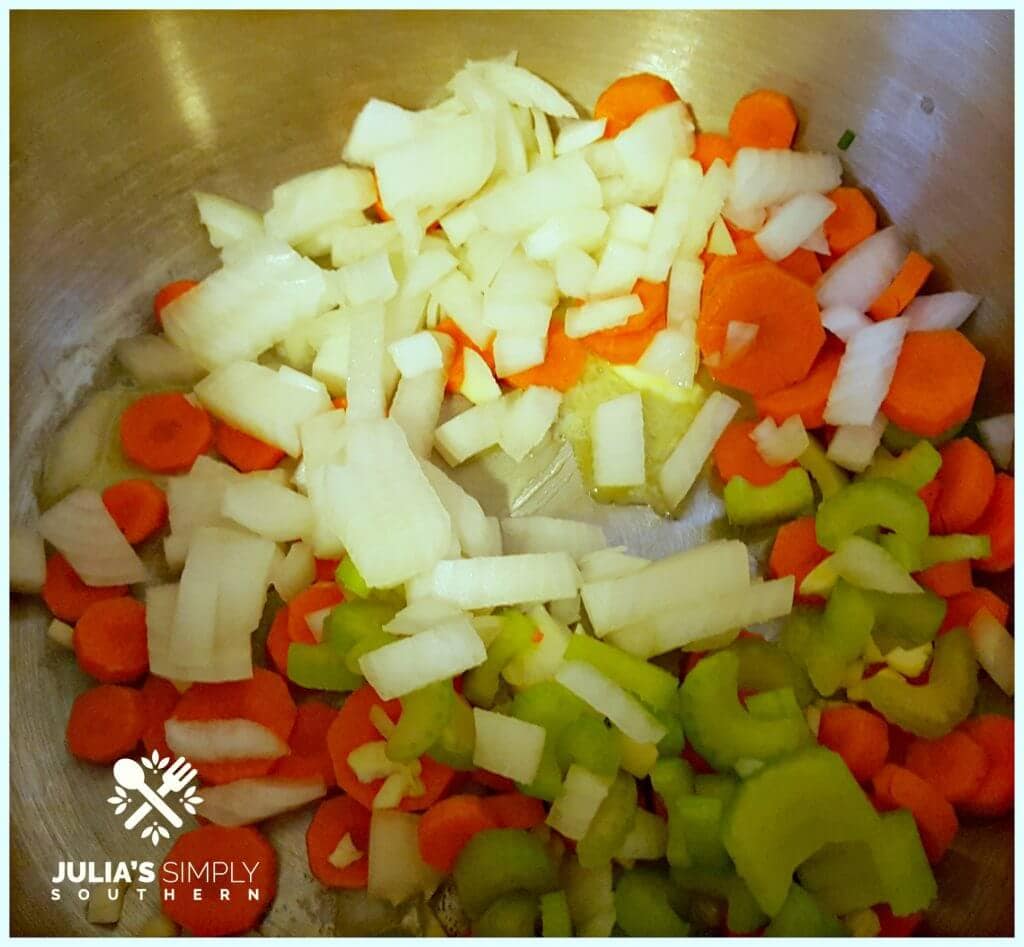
[470, 432]
[527, 418]
[488, 582]
[854, 445]
[684, 464]
[601, 314]
[576, 805]
[617, 433]
[606, 697]
[506, 746]
[780, 444]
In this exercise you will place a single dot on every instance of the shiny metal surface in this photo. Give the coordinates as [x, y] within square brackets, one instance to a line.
[118, 116]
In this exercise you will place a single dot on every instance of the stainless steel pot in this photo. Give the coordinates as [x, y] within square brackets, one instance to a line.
[117, 117]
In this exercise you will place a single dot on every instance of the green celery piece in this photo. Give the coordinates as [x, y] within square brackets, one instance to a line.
[897, 439]
[821, 579]
[366, 644]
[674, 741]
[905, 553]
[671, 778]
[905, 620]
[496, 862]
[843, 877]
[511, 915]
[744, 916]
[846, 139]
[953, 548]
[643, 905]
[903, 865]
[928, 710]
[352, 583]
[350, 621]
[652, 684]
[845, 631]
[719, 786]
[547, 784]
[878, 502]
[914, 467]
[455, 745]
[611, 824]
[773, 705]
[549, 705]
[700, 822]
[554, 915]
[718, 726]
[785, 812]
[425, 714]
[765, 667]
[321, 668]
[589, 742]
[829, 478]
[868, 565]
[789, 496]
[480, 685]
[802, 916]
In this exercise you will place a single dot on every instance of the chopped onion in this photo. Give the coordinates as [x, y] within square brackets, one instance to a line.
[574, 272]
[379, 127]
[567, 610]
[61, 633]
[600, 315]
[471, 432]
[461, 300]
[997, 436]
[576, 805]
[684, 286]
[331, 365]
[765, 177]
[226, 220]
[351, 244]
[438, 654]
[524, 534]
[865, 372]
[844, 321]
[369, 280]
[858, 278]
[750, 219]
[781, 444]
[27, 560]
[246, 801]
[707, 205]
[522, 87]
[478, 534]
[623, 710]
[631, 223]
[76, 448]
[478, 384]
[714, 569]
[739, 336]
[154, 362]
[484, 255]
[324, 438]
[515, 353]
[542, 136]
[527, 418]
[817, 242]
[194, 501]
[427, 270]
[854, 445]
[367, 397]
[525, 318]
[647, 149]
[82, 530]
[295, 571]
[543, 658]
[397, 872]
[268, 509]
[416, 407]
[994, 647]
[868, 566]
[792, 224]
[720, 241]
[420, 352]
[940, 311]
[617, 433]
[582, 227]
[223, 741]
[578, 134]
[620, 266]
[612, 563]
[302, 206]
[325, 542]
[345, 853]
[673, 356]
[507, 746]
[680, 471]
[604, 158]
[489, 582]
[422, 615]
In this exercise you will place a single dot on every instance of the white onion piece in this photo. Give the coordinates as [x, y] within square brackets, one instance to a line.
[525, 318]
[82, 530]
[478, 384]
[464, 302]
[427, 270]
[525, 534]
[853, 445]
[620, 266]
[513, 353]
[223, 741]
[528, 416]
[601, 314]
[647, 149]
[416, 408]
[579, 134]
[522, 87]
[351, 244]
[574, 272]
[194, 501]
[673, 218]
[507, 746]
[302, 206]
[246, 801]
[940, 311]
[631, 223]
[672, 355]
[684, 285]
[601, 693]
[617, 434]
[680, 471]
[868, 566]
[858, 278]
[331, 364]
[268, 509]
[27, 560]
[576, 805]
[421, 615]
[603, 158]
[583, 228]
[997, 436]
[750, 219]
[227, 221]
[488, 582]
[792, 224]
[61, 634]
[865, 373]
[365, 388]
[295, 571]
[484, 254]
[542, 135]
[154, 362]
[478, 534]
[707, 205]
[739, 336]
[420, 352]
[379, 127]
[76, 448]
[720, 241]
[844, 321]
[780, 444]
[370, 280]
[480, 96]
[994, 647]
[765, 177]
[817, 242]
[470, 432]
[611, 563]
[324, 438]
[397, 872]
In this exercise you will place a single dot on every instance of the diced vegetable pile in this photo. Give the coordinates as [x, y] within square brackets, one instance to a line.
[507, 719]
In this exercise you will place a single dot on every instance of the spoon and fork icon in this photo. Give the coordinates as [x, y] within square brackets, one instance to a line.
[131, 776]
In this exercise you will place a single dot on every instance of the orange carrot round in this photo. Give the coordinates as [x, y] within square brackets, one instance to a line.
[492, 781]
[514, 810]
[955, 765]
[935, 382]
[708, 147]
[929, 495]
[789, 335]
[139, 507]
[159, 698]
[562, 366]
[308, 744]
[165, 433]
[968, 479]
[278, 640]
[719, 267]
[905, 285]
[960, 609]
[997, 523]
[318, 596]
[110, 640]
[67, 596]
[898, 788]
[334, 819]
[624, 344]
[167, 294]
[859, 736]
[994, 734]
[763, 119]
[626, 99]
[796, 551]
[209, 914]
[106, 723]
[946, 579]
[448, 825]
[809, 395]
[243, 451]
[803, 264]
[735, 455]
[853, 220]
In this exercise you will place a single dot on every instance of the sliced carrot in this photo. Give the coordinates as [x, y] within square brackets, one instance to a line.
[513, 810]
[735, 455]
[859, 736]
[308, 744]
[997, 523]
[318, 596]
[960, 609]
[624, 344]
[709, 147]
[853, 220]
[165, 433]
[994, 734]
[626, 99]
[447, 826]
[352, 728]
[67, 596]
[946, 579]
[719, 267]
[562, 366]
[935, 383]
[898, 788]
[159, 697]
[456, 370]
[110, 640]
[378, 205]
[333, 820]
[905, 285]
[325, 569]
[278, 640]
[492, 781]
[893, 926]
[808, 396]
[803, 264]
[210, 905]
[789, 327]
[167, 294]
[930, 494]
[243, 451]
[796, 551]
[139, 507]
[763, 119]
[968, 479]
[955, 765]
[106, 723]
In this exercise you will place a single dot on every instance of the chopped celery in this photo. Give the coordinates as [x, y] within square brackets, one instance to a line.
[843, 877]
[744, 916]
[643, 905]
[829, 478]
[496, 862]
[671, 778]
[511, 915]
[589, 742]
[845, 631]
[638, 759]
[905, 553]
[868, 566]
[953, 548]
[821, 579]
[650, 683]
[802, 916]
[554, 915]
[749, 505]
[719, 786]
[425, 714]
[914, 467]
[699, 819]
[774, 704]
[674, 740]
[351, 582]
[902, 864]
[320, 667]
[350, 621]
[455, 745]
[611, 825]
[647, 840]
[911, 662]
[765, 667]
[366, 644]
[905, 620]
[877, 502]
[895, 438]
[481, 683]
